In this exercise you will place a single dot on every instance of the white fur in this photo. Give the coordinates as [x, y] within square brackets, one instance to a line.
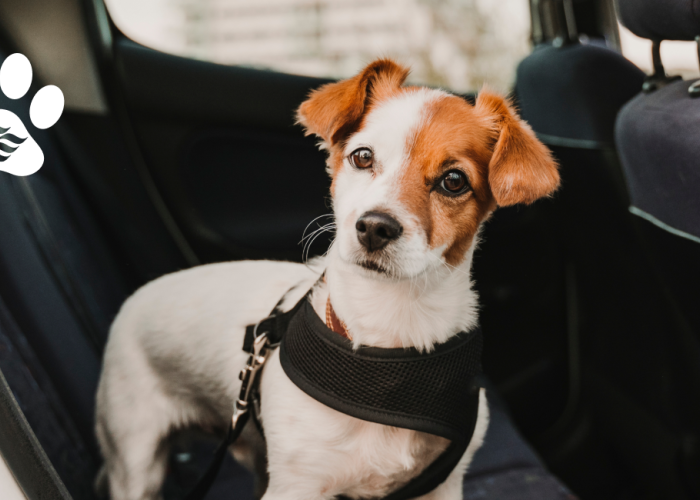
[387, 130]
[430, 301]
[174, 350]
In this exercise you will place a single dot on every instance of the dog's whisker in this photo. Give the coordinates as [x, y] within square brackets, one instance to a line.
[325, 254]
[319, 217]
[449, 266]
[307, 247]
[309, 238]
[312, 237]
[321, 228]
[315, 234]
[425, 285]
[314, 220]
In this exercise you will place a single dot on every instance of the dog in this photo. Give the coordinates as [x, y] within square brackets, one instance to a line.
[415, 172]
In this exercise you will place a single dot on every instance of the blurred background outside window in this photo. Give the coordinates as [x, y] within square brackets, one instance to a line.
[679, 58]
[458, 44]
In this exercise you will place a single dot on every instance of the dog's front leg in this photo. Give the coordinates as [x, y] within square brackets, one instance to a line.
[451, 489]
[301, 439]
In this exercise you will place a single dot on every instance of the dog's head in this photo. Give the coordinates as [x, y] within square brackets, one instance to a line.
[415, 170]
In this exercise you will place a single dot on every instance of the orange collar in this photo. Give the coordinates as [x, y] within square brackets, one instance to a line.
[334, 323]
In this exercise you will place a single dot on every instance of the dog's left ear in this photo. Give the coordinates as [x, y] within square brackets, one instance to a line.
[521, 169]
[334, 110]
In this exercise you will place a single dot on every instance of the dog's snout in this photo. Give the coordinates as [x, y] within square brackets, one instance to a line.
[376, 229]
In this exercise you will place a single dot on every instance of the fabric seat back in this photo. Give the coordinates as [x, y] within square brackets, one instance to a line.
[571, 96]
[658, 139]
[60, 288]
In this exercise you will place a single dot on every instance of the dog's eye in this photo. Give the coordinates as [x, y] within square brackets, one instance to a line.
[362, 158]
[454, 183]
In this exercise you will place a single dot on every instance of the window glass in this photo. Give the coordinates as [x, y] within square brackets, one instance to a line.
[679, 58]
[459, 44]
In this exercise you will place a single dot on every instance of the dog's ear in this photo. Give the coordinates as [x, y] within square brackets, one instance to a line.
[521, 169]
[334, 110]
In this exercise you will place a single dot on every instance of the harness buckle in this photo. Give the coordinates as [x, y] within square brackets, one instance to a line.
[248, 375]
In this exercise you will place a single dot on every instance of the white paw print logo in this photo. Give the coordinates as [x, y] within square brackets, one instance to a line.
[19, 152]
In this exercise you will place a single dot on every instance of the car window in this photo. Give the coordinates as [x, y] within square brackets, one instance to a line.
[679, 58]
[459, 44]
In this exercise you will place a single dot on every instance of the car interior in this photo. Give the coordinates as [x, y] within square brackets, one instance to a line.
[589, 299]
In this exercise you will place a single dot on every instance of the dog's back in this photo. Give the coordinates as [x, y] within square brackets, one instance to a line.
[172, 361]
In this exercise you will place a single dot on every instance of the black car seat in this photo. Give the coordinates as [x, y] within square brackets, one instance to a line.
[59, 290]
[63, 277]
[570, 93]
[658, 138]
[62, 280]
[625, 345]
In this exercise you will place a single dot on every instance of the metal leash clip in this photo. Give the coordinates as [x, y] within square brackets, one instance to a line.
[248, 375]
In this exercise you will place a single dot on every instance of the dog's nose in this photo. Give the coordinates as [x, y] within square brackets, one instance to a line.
[376, 229]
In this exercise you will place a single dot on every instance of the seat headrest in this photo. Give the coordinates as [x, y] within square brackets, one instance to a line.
[661, 19]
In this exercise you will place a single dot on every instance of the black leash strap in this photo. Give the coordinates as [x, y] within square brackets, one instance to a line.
[202, 487]
[259, 339]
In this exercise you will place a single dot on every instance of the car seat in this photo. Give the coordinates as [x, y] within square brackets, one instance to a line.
[627, 345]
[658, 138]
[59, 290]
[571, 92]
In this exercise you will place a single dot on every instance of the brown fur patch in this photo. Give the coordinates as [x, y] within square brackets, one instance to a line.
[522, 169]
[453, 137]
[499, 153]
[504, 161]
[334, 111]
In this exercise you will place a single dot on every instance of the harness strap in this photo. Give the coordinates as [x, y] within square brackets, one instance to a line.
[447, 406]
[433, 392]
[437, 472]
[275, 325]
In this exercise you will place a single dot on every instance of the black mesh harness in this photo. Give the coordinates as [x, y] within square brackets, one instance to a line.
[434, 392]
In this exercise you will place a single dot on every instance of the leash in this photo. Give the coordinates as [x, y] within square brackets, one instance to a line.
[241, 414]
[260, 339]
[433, 392]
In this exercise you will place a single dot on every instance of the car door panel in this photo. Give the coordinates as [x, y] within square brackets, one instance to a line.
[222, 145]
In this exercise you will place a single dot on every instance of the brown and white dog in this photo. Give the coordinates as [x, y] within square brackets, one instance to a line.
[415, 171]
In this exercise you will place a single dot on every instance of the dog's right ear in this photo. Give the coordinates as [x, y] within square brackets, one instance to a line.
[334, 110]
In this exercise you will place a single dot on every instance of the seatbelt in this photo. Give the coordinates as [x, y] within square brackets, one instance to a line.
[433, 392]
[40, 228]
